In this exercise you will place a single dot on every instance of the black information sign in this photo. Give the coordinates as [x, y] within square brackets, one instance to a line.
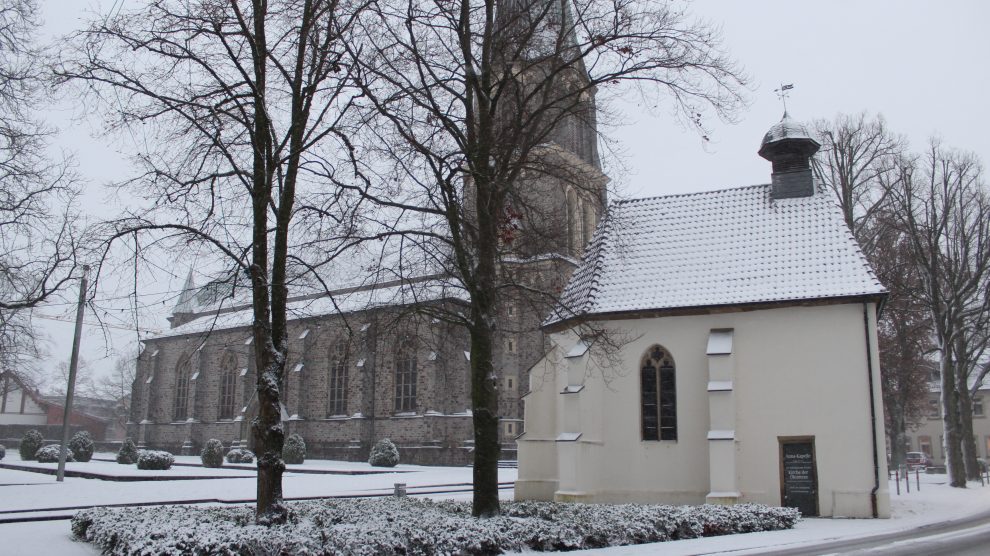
[800, 479]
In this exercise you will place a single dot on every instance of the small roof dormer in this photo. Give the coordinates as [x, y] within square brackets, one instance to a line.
[788, 145]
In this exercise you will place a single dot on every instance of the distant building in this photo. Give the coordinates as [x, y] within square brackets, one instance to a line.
[22, 408]
[927, 435]
[745, 363]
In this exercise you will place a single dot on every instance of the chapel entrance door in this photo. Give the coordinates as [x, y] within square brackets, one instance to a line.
[799, 475]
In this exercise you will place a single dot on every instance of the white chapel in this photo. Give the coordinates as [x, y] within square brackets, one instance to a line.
[716, 347]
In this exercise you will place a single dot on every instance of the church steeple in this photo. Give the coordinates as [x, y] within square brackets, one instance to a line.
[185, 307]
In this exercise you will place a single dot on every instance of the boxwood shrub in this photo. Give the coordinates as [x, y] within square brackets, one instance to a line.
[155, 460]
[128, 453]
[30, 444]
[240, 455]
[81, 446]
[294, 449]
[49, 454]
[384, 454]
[212, 454]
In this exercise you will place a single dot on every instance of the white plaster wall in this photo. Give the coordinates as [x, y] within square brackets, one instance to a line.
[33, 413]
[800, 371]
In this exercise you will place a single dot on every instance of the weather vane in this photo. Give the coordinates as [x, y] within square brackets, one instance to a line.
[782, 93]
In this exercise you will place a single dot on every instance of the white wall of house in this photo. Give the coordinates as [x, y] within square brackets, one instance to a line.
[17, 408]
[795, 372]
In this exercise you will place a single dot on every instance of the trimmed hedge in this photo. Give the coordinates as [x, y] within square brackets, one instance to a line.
[294, 449]
[240, 455]
[49, 454]
[212, 454]
[30, 444]
[82, 446]
[408, 526]
[128, 453]
[384, 454]
[155, 460]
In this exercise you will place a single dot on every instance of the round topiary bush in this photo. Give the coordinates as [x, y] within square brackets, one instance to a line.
[30, 444]
[240, 455]
[384, 454]
[212, 454]
[49, 454]
[81, 446]
[128, 453]
[155, 460]
[294, 449]
[3, 451]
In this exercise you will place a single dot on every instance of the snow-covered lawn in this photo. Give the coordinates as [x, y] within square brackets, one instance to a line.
[22, 490]
[30, 491]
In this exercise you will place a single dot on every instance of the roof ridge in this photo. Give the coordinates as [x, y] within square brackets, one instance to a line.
[690, 194]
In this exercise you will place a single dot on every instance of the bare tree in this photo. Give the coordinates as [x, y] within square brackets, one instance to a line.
[904, 331]
[942, 208]
[37, 225]
[856, 153]
[485, 112]
[230, 96]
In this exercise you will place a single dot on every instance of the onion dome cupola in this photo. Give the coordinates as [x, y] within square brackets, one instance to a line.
[789, 147]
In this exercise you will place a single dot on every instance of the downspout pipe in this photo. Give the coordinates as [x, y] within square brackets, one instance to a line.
[873, 410]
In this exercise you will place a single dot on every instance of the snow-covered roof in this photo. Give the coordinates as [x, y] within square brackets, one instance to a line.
[787, 128]
[342, 301]
[717, 248]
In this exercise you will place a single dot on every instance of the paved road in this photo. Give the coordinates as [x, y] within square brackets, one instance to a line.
[964, 537]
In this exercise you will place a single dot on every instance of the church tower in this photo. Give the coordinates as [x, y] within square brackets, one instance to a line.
[551, 112]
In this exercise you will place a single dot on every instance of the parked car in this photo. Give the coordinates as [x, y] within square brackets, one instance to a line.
[917, 460]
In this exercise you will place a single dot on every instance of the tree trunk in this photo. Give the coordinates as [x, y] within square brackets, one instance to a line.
[954, 466]
[484, 383]
[967, 441]
[484, 400]
[897, 436]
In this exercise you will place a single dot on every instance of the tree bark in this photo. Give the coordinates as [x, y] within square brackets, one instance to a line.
[954, 466]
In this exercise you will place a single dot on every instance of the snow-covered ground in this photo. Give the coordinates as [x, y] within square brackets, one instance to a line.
[936, 502]
[20, 490]
[32, 491]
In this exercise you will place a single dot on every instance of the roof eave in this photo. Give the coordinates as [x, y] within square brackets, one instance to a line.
[570, 322]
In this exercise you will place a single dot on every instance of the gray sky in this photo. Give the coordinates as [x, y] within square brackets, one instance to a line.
[921, 64]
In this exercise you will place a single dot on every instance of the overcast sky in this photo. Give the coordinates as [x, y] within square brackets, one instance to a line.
[921, 64]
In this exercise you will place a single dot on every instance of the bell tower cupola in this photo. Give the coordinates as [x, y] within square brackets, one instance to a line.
[789, 147]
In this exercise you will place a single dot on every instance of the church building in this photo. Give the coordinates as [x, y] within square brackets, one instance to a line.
[716, 347]
[369, 360]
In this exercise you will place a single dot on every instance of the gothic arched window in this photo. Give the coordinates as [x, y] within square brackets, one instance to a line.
[228, 386]
[405, 377]
[337, 387]
[180, 409]
[658, 395]
[589, 222]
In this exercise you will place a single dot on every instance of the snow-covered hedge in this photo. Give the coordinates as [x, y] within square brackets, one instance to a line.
[82, 446]
[30, 444]
[240, 455]
[212, 454]
[154, 459]
[294, 449]
[392, 526]
[49, 454]
[384, 454]
[128, 454]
